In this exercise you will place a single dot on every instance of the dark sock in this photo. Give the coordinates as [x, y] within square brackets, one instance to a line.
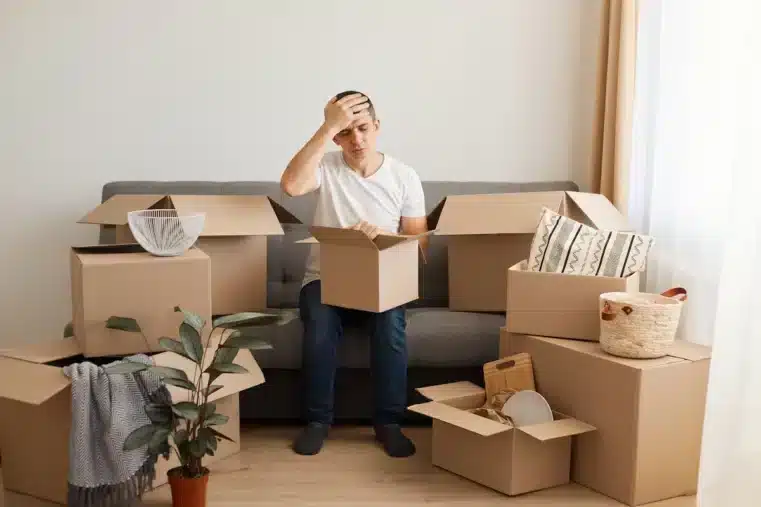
[394, 442]
[310, 440]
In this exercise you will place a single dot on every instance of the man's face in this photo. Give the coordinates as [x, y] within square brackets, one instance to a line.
[359, 139]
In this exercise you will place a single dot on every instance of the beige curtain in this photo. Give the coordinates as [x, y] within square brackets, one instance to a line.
[615, 95]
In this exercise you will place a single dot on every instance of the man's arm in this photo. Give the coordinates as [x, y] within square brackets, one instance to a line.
[414, 220]
[300, 176]
[411, 226]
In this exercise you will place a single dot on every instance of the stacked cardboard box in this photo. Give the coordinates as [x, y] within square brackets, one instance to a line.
[629, 429]
[224, 273]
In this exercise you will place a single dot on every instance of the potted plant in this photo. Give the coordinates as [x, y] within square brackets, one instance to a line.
[187, 428]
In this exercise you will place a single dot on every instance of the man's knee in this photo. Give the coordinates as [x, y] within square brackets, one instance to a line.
[391, 324]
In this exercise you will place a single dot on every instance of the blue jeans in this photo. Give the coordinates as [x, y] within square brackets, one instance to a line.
[323, 329]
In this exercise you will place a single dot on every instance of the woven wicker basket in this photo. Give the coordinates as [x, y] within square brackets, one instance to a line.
[640, 325]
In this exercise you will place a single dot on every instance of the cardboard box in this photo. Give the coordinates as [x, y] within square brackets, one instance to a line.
[35, 401]
[507, 459]
[559, 305]
[488, 233]
[648, 414]
[127, 281]
[363, 274]
[234, 236]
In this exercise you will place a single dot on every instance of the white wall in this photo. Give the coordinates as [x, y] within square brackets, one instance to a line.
[93, 91]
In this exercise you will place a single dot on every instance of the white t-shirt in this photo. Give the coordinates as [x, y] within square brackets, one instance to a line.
[346, 198]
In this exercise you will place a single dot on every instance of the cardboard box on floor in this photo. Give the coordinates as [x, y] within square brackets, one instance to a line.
[648, 413]
[559, 305]
[363, 274]
[35, 403]
[488, 233]
[507, 459]
[234, 236]
[127, 281]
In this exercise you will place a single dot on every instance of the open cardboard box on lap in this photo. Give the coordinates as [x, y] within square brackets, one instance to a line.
[507, 459]
[234, 236]
[35, 403]
[488, 233]
[360, 273]
[127, 281]
[648, 413]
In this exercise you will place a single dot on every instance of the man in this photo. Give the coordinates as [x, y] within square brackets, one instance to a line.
[361, 188]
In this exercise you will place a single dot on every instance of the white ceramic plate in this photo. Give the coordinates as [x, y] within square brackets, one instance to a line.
[527, 407]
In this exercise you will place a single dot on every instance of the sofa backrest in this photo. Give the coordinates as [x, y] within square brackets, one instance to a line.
[286, 261]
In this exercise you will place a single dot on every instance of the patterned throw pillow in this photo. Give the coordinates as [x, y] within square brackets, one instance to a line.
[563, 245]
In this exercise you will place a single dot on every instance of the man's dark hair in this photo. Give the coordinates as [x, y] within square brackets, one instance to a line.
[370, 110]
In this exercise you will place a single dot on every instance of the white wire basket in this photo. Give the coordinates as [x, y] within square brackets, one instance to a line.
[165, 232]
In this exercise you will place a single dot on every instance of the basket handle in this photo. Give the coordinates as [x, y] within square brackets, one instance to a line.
[677, 293]
[607, 313]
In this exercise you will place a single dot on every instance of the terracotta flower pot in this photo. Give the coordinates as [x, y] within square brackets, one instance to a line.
[188, 492]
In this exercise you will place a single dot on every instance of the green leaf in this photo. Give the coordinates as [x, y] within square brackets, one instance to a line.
[184, 450]
[216, 420]
[167, 372]
[158, 440]
[213, 389]
[123, 324]
[186, 409]
[241, 341]
[139, 438]
[220, 435]
[192, 319]
[172, 345]
[124, 367]
[197, 448]
[180, 437]
[210, 441]
[209, 408]
[158, 413]
[226, 368]
[68, 330]
[184, 384]
[225, 355]
[165, 449]
[247, 319]
[191, 342]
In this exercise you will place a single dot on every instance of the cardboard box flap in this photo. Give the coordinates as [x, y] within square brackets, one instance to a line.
[29, 382]
[114, 210]
[111, 248]
[44, 352]
[342, 236]
[232, 382]
[600, 211]
[558, 428]
[453, 390]
[689, 351]
[283, 215]
[461, 418]
[516, 213]
[232, 215]
[384, 241]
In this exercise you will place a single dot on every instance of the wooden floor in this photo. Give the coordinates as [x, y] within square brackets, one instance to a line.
[352, 471]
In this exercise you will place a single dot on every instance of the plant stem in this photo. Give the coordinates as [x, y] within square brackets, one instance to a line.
[145, 338]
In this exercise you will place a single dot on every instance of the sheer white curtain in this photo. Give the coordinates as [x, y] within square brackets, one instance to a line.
[696, 186]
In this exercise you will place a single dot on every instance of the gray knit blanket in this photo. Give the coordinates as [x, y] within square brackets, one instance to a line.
[105, 409]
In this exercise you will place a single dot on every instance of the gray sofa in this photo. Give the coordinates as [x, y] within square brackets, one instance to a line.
[443, 346]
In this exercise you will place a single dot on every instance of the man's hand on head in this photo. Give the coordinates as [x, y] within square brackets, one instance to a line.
[341, 113]
[370, 230]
